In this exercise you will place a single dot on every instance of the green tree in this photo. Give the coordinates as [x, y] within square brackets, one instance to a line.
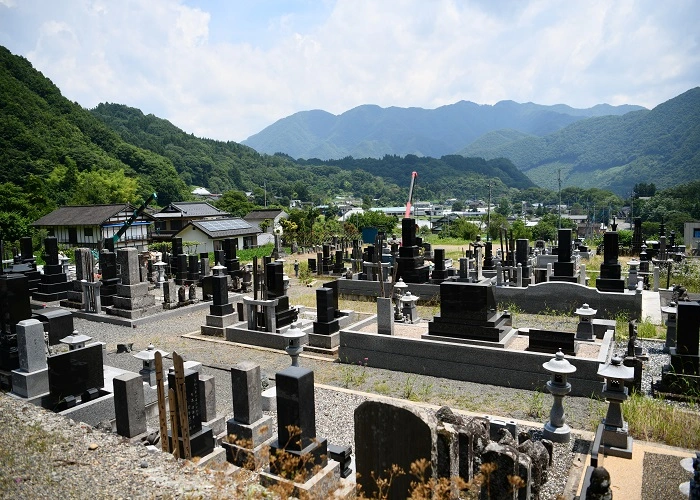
[101, 187]
[498, 222]
[371, 218]
[461, 228]
[235, 202]
[520, 230]
[504, 207]
[544, 230]
[458, 206]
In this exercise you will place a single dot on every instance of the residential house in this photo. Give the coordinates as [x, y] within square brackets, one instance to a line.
[210, 233]
[89, 225]
[274, 216]
[173, 218]
[691, 237]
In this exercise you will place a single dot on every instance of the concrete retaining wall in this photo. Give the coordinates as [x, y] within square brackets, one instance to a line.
[554, 296]
[484, 365]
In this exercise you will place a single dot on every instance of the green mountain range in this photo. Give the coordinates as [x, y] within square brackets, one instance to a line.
[369, 131]
[660, 146]
[54, 152]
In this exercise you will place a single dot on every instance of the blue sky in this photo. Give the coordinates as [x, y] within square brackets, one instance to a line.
[227, 69]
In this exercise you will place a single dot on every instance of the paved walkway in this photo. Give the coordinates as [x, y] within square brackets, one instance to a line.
[651, 307]
[627, 475]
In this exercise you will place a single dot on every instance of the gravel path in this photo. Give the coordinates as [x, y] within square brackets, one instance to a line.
[62, 465]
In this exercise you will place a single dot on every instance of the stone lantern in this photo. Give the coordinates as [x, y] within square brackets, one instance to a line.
[409, 307]
[399, 290]
[584, 330]
[556, 429]
[218, 270]
[294, 336]
[670, 310]
[148, 356]
[615, 439]
[160, 273]
[75, 341]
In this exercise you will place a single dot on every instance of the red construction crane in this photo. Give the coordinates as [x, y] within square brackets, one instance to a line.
[414, 176]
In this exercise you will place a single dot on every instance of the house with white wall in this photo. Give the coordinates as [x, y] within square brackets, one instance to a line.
[210, 233]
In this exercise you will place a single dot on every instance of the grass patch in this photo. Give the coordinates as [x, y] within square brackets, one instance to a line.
[653, 420]
[647, 330]
[246, 255]
[687, 274]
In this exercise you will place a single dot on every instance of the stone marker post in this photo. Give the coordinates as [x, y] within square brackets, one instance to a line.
[129, 406]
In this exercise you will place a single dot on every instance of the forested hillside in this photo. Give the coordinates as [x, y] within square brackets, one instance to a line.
[614, 152]
[370, 131]
[44, 135]
[446, 177]
[53, 152]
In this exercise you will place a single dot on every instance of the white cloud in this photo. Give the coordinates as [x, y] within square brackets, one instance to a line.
[163, 57]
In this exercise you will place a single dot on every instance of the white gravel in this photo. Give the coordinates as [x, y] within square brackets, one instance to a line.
[334, 409]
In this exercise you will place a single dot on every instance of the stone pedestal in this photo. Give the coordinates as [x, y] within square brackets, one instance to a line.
[31, 379]
[129, 405]
[221, 312]
[133, 299]
[249, 432]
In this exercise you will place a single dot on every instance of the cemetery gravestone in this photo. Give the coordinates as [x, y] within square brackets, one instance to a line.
[84, 270]
[14, 307]
[411, 264]
[74, 372]
[468, 311]
[388, 435]
[296, 425]
[249, 431]
[31, 379]
[110, 278]
[201, 437]
[439, 273]
[133, 299]
[564, 268]
[221, 313]
[326, 322]
[682, 375]
[129, 405]
[54, 282]
[610, 279]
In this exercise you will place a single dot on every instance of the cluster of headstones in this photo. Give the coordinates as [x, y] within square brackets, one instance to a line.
[60, 381]
[480, 451]
[15, 307]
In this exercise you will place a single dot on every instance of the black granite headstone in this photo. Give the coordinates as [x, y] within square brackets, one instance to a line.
[610, 279]
[296, 422]
[73, 372]
[194, 415]
[326, 322]
[220, 302]
[468, 311]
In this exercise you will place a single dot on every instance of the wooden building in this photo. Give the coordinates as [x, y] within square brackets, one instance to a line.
[89, 225]
[176, 216]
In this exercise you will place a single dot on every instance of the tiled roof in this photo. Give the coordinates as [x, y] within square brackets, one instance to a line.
[84, 215]
[222, 228]
[190, 209]
[264, 214]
